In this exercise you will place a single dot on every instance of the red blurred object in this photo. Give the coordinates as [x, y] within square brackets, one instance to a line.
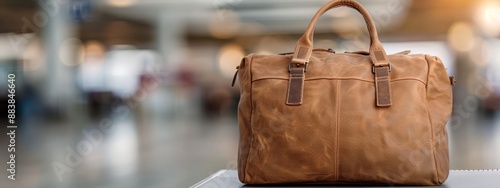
[493, 102]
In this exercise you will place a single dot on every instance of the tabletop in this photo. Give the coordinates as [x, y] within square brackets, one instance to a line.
[456, 179]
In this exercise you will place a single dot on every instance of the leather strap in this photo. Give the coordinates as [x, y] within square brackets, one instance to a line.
[382, 86]
[304, 46]
[295, 86]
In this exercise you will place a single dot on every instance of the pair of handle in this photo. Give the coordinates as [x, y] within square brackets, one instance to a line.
[303, 49]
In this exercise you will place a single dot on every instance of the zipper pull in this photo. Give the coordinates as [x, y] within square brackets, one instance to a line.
[406, 52]
[359, 52]
[235, 75]
[452, 80]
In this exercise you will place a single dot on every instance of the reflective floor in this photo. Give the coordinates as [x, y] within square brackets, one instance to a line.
[161, 143]
[475, 143]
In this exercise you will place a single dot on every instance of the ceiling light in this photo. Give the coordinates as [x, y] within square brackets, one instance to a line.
[120, 3]
[487, 17]
[230, 56]
[461, 36]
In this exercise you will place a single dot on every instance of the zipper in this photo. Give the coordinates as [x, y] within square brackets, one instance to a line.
[406, 52]
[359, 52]
[314, 50]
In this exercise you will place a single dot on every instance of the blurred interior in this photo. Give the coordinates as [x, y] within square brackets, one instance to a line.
[157, 73]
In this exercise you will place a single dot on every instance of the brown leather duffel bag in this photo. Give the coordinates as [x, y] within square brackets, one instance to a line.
[321, 117]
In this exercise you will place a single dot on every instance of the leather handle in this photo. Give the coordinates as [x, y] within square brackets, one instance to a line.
[303, 49]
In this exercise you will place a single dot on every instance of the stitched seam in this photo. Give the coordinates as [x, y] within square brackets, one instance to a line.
[376, 91]
[383, 79]
[294, 77]
[332, 131]
[301, 90]
[390, 90]
[312, 79]
[403, 79]
[251, 120]
[337, 131]
[432, 142]
[430, 121]
[288, 93]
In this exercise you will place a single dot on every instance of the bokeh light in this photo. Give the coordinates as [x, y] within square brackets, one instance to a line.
[461, 36]
[230, 56]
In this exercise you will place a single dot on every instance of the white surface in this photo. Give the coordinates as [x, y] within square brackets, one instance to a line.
[457, 179]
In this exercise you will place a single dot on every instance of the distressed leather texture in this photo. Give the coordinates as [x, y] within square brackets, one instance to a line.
[334, 132]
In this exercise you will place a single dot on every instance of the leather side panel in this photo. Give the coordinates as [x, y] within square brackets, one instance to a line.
[385, 145]
[244, 115]
[439, 101]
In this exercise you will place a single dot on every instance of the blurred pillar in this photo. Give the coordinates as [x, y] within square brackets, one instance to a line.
[170, 36]
[56, 30]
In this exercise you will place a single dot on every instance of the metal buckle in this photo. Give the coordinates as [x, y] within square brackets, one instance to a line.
[373, 68]
[298, 65]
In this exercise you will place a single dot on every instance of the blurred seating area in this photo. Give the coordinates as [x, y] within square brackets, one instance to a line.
[137, 93]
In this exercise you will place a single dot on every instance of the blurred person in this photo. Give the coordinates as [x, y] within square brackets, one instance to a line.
[91, 76]
[216, 101]
[492, 71]
[492, 102]
[116, 74]
[124, 66]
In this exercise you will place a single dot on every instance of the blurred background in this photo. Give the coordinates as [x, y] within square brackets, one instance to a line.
[136, 93]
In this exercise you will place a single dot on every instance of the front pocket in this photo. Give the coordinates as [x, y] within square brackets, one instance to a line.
[293, 143]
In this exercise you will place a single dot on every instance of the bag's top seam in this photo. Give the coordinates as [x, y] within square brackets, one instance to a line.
[334, 78]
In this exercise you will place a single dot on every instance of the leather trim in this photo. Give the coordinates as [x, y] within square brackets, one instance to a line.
[403, 79]
[303, 54]
[337, 127]
[251, 118]
[440, 177]
[363, 80]
[295, 86]
[383, 86]
[436, 172]
[379, 55]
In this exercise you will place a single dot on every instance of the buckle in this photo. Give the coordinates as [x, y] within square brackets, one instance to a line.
[373, 68]
[298, 65]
